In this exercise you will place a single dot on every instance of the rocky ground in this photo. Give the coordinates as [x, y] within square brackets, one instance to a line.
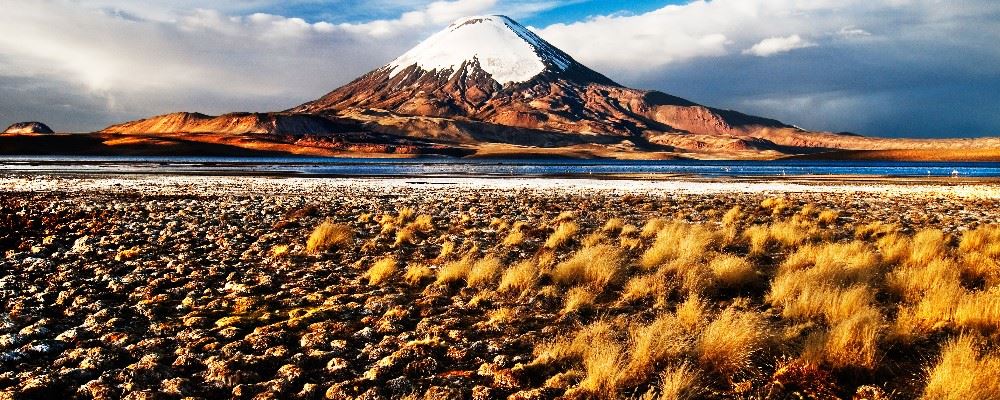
[189, 289]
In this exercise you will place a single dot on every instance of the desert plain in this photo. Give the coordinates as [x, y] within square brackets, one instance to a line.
[171, 287]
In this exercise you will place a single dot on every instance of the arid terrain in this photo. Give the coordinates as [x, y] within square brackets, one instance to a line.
[210, 287]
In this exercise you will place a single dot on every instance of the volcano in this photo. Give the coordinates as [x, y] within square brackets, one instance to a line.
[487, 85]
[494, 71]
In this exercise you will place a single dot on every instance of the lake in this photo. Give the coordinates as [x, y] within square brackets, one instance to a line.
[487, 167]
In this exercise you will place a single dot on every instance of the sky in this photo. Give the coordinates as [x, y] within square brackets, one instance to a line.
[895, 68]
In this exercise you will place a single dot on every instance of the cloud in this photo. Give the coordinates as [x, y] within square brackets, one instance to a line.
[893, 67]
[777, 45]
[869, 58]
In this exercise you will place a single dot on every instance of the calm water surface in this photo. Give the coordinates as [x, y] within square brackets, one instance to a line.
[491, 167]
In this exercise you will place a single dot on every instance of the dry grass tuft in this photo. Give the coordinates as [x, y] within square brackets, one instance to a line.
[455, 271]
[660, 341]
[484, 272]
[502, 316]
[733, 216]
[678, 240]
[514, 237]
[595, 266]
[653, 227]
[911, 281]
[677, 383]
[928, 245]
[613, 226]
[579, 299]
[853, 342]
[692, 313]
[382, 270]
[563, 234]
[602, 364]
[641, 287]
[875, 230]
[729, 342]
[777, 205]
[964, 371]
[279, 251]
[328, 235]
[731, 272]
[416, 274]
[447, 249]
[759, 237]
[520, 278]
[827, 217]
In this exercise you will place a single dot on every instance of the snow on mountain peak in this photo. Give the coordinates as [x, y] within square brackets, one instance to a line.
[506, 50]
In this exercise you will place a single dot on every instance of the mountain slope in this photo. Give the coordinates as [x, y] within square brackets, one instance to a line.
[493, 70]
[234, 123]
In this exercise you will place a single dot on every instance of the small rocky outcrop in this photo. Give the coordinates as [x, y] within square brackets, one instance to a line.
[28, 127]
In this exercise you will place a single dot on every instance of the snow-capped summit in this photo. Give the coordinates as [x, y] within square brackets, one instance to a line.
[482, 76]
[506, 50]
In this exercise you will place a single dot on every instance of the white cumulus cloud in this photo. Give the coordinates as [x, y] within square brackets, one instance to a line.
[777, 45]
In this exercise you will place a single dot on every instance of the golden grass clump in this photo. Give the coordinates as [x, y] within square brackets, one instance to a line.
[579, 299]
[729, 342]
[979, 310]
[502, 316]
[613, 226]
[519, 278]
[515, 236]
[852, 342]
[839, 264]
[595, 266]
[928, 245]
[731, 271]
[484, 272]
[601, 365]
[328, 235]
[447, 249]
[692, 313]
[827, 217]
[382, 270]
[279, 251]
[653, 227]
[662, 340]
[417, 273]
[911, 281]
[832, 281]
[776, 204]
[984, 239]
[758, 238]
[641, 287]
[423, 223]
[894, 248]
[791, 233]
[455, 271]
[829, 302]
[733, 216]
[628, 238]
[965, 370]
[678, 240]
[874, 230]
[575, 345]
[679, 382]
[563, 234]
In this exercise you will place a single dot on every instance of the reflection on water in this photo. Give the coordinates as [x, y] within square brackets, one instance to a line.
[491, 167]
